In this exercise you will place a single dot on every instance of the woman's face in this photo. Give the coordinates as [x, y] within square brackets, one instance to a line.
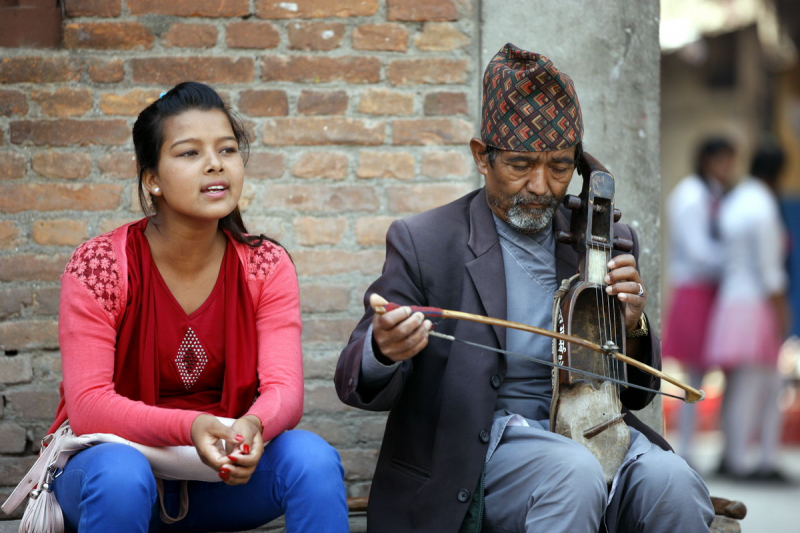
[200, 170]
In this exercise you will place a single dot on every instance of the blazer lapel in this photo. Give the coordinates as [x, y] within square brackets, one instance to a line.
[487, 270]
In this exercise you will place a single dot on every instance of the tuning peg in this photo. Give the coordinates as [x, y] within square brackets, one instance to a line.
[565, 237]
[572, 202]
[623, 245]
[617, 215]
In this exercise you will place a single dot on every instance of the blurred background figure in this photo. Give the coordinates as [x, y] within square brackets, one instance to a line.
[750, 319]
[695, 267]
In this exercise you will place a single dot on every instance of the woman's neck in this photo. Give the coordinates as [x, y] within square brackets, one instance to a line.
[184, 245]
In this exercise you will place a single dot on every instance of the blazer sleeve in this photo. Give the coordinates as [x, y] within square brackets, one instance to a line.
[400, 282]
[649, 353]
[279, 405]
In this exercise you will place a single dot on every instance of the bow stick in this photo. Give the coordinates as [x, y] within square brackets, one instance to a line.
[381, 306]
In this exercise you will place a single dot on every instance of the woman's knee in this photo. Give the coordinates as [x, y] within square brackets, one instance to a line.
[118, 467]
[300, 453]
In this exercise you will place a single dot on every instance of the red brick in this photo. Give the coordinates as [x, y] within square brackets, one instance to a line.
[335, 331]
[191, 35]
[325, 165]
[265, 165]
[12, 438]
[16, 369]
[438, 165]
[13, 468]
[371, 231]
[9, 232]
[315, 35]
[440, 37]
[28, 335]
[276, 9]
[333, 431]
[315, 199]
[171, 71]
[12, 103]
[418, 198]
[318, 298]
[319, 367]
[312, 231]
[16, 198]
[359, 464]
[190, 8]
[317, 131]
[128, 104]
[63, 102]
[385, 102]
[445, 103]
[12, 166]
[69, 132]
[33, 404]
[106, 71]
[428, 71]
[93, 8]
[332, 262]
[321, 397]
[257, 35]
[107, 36]
[322, 103]
[420, 10]
[118, 165]
[383, 37]
[60, 232]
[62, 165]
[321, 69]
[38, 69]
[29, 267]
[399, 165]
[264, 103]
[431, 131]
[12, 301]
[47, 300]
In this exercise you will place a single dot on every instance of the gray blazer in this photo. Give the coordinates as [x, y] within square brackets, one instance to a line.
[443, 399]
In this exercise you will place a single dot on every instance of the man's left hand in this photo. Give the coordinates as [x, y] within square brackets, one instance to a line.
[623, 280]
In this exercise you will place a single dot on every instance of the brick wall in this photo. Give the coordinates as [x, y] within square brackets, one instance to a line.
[360, 111]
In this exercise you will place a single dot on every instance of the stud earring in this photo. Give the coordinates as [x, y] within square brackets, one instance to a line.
[156, 190]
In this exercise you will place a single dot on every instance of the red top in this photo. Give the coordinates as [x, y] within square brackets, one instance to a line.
[140, 368]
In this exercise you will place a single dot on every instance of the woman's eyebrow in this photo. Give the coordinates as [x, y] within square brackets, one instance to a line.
[226, 138]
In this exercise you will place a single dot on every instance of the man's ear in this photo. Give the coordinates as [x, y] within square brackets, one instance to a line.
[478, 147]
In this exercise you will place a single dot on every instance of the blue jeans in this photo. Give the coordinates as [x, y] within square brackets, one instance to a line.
[110, 487]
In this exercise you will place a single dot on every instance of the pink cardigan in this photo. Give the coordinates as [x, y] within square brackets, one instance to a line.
[92, 305]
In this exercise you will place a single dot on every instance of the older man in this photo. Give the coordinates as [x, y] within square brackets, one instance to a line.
[467, 441]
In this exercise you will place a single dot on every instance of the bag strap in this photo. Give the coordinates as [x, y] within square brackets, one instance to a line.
[166, 518]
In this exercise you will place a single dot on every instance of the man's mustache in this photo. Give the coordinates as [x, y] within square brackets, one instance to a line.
[524, 199]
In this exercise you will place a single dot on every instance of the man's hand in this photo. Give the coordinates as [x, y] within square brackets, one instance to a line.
[623, 280]
[399, 334]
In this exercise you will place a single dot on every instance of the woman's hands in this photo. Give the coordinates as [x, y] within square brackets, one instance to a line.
[244, 446]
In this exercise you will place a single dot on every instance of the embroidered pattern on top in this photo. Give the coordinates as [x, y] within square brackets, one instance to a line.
[94, 264]
[191, 359]
[263, 261]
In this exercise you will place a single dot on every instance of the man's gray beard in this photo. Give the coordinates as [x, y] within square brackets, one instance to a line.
[527, 219]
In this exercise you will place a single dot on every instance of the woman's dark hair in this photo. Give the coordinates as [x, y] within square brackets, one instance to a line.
[767, 163]
[148, 138]
[711, 147]
[492, 152]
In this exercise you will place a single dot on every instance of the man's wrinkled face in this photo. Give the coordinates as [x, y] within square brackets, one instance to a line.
[525, 188]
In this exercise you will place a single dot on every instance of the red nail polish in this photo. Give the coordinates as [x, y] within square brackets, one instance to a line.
[232, 458]
[224, 476]
[239, 438]
[246, 448]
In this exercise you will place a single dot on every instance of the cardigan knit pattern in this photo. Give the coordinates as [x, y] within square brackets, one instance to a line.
[94, 295]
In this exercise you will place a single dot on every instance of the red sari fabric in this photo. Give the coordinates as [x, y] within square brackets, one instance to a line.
[204, 361]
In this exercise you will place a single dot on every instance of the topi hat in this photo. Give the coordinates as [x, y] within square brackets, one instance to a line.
[528, 105]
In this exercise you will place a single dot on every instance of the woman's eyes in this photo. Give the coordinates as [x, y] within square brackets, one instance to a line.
[228, 150]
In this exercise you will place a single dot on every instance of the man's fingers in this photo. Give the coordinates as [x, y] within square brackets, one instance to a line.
[394, 317]
[625, 273]
[626, 288]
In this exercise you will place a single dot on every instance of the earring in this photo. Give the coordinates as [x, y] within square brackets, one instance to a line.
[156, 190]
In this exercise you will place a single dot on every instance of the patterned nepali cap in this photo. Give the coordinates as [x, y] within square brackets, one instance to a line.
[528, 105]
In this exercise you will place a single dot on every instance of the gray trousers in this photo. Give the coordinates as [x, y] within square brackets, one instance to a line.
[538, 481]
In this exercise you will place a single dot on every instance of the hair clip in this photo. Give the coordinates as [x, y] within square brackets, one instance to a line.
[160, 96]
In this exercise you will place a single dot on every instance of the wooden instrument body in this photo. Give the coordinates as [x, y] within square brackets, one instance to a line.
[583, 409]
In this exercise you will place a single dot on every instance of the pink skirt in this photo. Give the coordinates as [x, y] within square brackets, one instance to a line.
[744, 333]
[687, 323]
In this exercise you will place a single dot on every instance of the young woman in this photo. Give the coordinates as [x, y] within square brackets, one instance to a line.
[177, 319]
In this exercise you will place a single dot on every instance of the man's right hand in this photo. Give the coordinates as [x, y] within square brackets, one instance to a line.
[399, 334]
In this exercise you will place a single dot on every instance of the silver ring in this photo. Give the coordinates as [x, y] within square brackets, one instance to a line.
[641, 290]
